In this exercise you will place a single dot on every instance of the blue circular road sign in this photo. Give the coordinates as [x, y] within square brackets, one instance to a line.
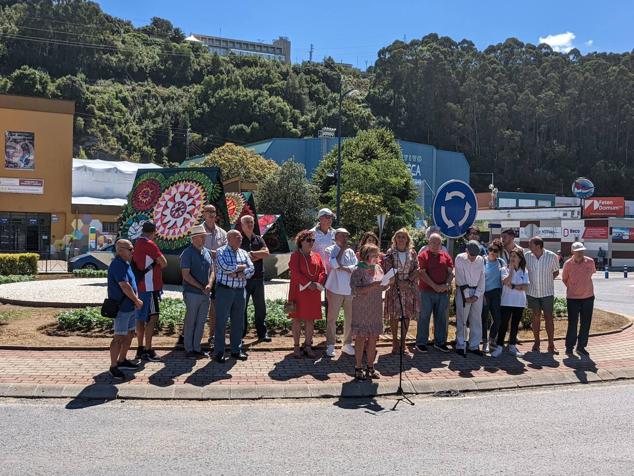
[455, 208]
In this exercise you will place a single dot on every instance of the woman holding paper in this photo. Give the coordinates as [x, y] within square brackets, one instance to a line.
[307, 279]
[402, 260]
[367, 316]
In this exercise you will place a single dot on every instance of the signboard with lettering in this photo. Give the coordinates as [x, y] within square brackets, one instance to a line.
[18, 185]
[596, 233]
[572, 230]
[604, 207]
[622, 233]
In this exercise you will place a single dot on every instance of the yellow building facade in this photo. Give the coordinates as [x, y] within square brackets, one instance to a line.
[35, 173]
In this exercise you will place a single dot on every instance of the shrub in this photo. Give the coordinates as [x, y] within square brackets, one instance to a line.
[15, 278]
[560, 310]
[19, 263]
[90, 273]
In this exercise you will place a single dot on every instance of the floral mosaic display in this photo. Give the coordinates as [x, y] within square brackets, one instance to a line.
[173, 200]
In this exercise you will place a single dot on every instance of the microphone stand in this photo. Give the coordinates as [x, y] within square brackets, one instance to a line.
[399, 391]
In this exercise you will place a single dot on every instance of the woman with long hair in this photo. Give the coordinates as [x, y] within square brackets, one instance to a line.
[515, 281]
[402, 258]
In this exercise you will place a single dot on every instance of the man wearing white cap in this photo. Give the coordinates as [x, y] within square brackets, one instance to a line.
[577, 276]
[197, 275]
[470, 283]
[341, 262]
[324, 234]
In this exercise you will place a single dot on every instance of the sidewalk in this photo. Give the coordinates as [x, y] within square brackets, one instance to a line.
[275, 374]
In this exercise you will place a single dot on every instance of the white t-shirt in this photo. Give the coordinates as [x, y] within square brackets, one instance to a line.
[514, 297]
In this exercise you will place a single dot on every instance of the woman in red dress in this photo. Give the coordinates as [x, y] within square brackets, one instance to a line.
[307, 279]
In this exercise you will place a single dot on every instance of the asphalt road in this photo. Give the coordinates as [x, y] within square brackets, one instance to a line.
[572, 430]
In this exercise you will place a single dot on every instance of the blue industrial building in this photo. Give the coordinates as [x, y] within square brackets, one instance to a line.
[430, 167]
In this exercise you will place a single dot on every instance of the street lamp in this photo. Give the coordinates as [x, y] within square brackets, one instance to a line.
[342, 95]
[492, 188]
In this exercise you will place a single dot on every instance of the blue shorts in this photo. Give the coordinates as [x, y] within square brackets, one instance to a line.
[151, 303]
[124, 323]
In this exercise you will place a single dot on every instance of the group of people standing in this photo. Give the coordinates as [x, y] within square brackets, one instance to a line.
[222, 270]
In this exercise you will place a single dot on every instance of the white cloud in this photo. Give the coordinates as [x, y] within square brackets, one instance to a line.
[589, 43]
[561, 42]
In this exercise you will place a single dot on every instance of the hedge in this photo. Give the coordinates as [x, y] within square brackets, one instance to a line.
[15, 278]
[19, 263]
[90, 273]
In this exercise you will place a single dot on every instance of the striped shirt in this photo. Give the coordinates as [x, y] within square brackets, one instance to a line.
[323, 241]
[540, 272]
[227, 260]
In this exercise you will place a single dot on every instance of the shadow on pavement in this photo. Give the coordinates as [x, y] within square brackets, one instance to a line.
[320, 369]
[369, 405]
[582, 366]
[210, 373]
[539, 360]
[174, 365]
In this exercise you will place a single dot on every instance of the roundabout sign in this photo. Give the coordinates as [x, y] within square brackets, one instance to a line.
[455, 208]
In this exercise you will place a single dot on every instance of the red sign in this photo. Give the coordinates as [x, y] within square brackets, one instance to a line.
[604, 207]
[595, 233]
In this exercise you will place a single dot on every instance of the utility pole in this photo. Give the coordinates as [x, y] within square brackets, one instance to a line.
[310, 54]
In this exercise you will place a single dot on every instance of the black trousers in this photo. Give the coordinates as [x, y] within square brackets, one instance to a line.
[255, 291]
[579, 310]
[513, 314]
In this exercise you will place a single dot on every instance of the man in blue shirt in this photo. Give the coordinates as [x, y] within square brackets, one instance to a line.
[197, 282]
[122, 288]
[233, 268]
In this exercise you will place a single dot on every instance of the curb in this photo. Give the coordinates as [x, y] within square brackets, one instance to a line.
[296, 391]
[60, 305]
[269, 349]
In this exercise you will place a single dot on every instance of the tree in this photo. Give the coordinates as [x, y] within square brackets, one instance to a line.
[288, 192]
[372, 166]
[237, 161]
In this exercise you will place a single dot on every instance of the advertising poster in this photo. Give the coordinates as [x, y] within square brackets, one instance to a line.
[622, 234]
[604, 207]
[19, 150]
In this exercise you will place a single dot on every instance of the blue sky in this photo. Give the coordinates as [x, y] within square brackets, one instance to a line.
[353, 31]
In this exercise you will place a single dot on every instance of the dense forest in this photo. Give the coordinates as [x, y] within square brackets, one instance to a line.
[535, 117]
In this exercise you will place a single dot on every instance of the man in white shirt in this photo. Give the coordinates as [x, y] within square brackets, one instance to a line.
[543, 268]
[470, 284]
[341, 262]
[324, 234]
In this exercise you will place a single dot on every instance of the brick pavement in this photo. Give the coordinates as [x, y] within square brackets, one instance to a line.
[276, 373]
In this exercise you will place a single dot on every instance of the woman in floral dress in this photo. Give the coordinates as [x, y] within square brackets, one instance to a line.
[402, 258]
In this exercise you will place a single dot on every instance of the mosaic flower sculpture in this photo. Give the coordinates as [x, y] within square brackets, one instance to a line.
[235, 204]
[146, 194]
[178, 209]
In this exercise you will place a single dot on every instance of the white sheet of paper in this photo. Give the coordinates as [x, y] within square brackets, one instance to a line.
[386, 277]
[319, 286]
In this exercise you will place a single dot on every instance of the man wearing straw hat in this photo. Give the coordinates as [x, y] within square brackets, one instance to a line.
[196, 264]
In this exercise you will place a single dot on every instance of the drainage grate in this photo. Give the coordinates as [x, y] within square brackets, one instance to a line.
[448, 393]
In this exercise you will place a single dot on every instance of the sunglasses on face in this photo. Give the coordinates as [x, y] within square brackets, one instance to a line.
[494, 251]
[309, 240]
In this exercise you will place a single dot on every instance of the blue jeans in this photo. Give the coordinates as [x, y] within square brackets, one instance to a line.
[438, 303]
[230, 304]
[491, 304]
[196, 310]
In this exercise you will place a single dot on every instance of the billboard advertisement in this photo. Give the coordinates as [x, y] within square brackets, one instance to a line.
[19, 150]
[604, 207]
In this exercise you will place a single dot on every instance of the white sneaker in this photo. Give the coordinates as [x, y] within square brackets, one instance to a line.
[485, 348]
[497, 352]
[330, 351]
[348, 349]
[515, 351]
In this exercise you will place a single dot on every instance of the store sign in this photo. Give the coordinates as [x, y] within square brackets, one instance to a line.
[18, 185]
[622, 234]
[596, 233]
[604, 207]
[546, 232]
[572, 230]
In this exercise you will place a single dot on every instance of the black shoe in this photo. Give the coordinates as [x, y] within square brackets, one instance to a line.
[461, 352]
[150, 355]
[220, 358]
[201, 355]
[210, 343]
[266, 338]
[116, 373]
[421, 348]
[139, 352]
[477, 352]
[569, 353]
[190, 355]
[583, 352]
[442, 348]
[127, 364]
[239, 355]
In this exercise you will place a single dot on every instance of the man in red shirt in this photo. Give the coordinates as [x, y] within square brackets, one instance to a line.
[149, 262]
[436, 274]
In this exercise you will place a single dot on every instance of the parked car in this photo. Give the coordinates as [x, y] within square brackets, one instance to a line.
[98, 259]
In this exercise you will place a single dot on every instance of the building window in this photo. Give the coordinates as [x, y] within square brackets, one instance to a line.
[110, 227]
[544, 203]
[523, 202]
[507, 203]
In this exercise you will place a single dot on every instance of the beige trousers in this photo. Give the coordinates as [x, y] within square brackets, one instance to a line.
[335, 302]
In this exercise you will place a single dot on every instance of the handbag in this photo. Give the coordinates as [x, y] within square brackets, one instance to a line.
[110, 307]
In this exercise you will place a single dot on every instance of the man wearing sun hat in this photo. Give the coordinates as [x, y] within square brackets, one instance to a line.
[324, 234]
[341, 261]
[196, 265]
[577, 277]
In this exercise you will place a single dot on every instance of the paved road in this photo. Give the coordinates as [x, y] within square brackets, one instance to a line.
[578, 430]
